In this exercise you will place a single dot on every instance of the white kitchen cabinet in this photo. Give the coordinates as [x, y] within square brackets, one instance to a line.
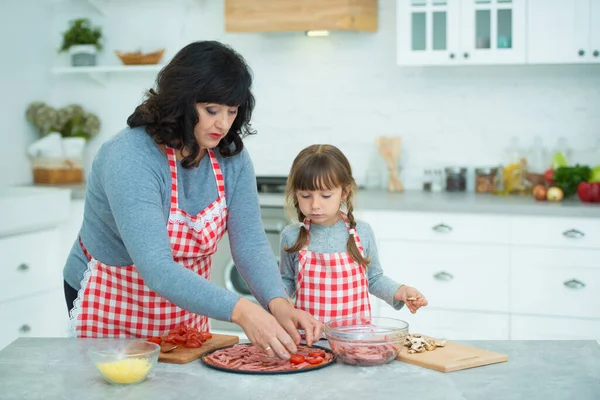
[595, 31]
[427, 32]
[547, 328]
[451, 276]
[461, 32]
[563, 31]
[31, 289]
[480, 271]
[454, 325]
[30, 263]
[493, 32]
[42, 315]
[439, 227]
[556, 282]
[556, 232]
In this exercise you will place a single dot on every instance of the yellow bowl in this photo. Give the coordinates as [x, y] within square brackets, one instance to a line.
[124, 361]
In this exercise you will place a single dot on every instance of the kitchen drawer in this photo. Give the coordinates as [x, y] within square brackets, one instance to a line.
[439, 227]
[451, 276]
[556, 282]
[454, 325]
[43, 315]
[546, 328]
[29, 263]
[556, 232]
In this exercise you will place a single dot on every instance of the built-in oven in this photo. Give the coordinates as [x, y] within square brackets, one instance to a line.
[223, 273]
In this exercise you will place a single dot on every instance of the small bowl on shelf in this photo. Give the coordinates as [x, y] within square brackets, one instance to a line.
[124, 361]
[366, 340]
[139, 58]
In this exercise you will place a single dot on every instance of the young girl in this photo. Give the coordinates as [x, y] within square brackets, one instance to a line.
[329, 263]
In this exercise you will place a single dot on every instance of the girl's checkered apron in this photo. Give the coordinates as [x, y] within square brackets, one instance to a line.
[115, 302]
[332, 285]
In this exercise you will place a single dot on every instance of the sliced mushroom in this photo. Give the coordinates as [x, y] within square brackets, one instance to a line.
[418, 344]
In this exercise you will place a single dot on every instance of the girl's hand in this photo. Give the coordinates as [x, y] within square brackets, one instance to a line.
[411, 297]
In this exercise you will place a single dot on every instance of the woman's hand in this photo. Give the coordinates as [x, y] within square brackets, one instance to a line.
[411, 297]
[263, 329]
[293, 319]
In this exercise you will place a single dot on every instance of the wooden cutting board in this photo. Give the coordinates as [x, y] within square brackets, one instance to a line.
[183, 355]
[452, 357]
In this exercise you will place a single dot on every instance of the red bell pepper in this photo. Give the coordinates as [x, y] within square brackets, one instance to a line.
[589, 192]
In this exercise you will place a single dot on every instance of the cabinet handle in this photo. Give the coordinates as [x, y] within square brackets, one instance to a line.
[25, 328]
[443, 276]
[574, 284]
[581, 52]
[23, 267]
[596, 53]
[466, 55]
[573, 234]
[442, 228]
[452, 55]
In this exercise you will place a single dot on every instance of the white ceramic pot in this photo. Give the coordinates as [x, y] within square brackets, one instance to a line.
[83, 55]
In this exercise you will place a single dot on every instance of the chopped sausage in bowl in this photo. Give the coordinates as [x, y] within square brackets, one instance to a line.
[366, 340]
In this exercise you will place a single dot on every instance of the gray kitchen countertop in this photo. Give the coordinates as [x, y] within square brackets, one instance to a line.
[445, 202]
[468, 203]
[59, 368]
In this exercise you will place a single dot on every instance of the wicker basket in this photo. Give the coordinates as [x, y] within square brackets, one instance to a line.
[57, 170]
[56, 176]
[137, 58]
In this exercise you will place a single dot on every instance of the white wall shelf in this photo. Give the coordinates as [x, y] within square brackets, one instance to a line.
[100, 73]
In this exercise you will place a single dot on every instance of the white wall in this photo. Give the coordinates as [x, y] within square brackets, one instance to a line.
[26, 43]
[345, 89]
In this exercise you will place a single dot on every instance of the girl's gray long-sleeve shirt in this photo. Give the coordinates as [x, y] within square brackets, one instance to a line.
[125, 222]
[334, 239]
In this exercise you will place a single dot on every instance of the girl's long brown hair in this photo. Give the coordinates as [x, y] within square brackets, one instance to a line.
[322, 167]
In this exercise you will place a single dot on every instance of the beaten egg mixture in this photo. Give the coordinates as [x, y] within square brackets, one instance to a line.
[126, 371]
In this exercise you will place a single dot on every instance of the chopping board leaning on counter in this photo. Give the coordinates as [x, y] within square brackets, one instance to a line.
[160, 196]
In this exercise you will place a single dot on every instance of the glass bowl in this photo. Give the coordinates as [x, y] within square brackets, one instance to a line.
[124, 361]
[366, 340]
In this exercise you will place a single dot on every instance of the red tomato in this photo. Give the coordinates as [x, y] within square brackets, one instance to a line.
[549, 175]
[297, 359]
[156, 339]
[314, 361]
[193, 343]
[317, 353]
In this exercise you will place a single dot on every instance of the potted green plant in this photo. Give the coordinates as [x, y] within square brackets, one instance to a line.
[82, 41]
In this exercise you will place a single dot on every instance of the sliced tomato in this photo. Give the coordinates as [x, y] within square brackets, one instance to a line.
[297, 359]
[174, 338]
[317, 353]
[193, 343]
[156, 339]
[315, 360]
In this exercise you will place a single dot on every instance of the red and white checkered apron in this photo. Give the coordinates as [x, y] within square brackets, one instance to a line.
[332, 285]
[115, 302]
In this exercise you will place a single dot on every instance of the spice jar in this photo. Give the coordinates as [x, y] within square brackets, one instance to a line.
[484, 179]
[456, 179]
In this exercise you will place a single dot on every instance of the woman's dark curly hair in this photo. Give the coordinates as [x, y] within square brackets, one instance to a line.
[201, 72]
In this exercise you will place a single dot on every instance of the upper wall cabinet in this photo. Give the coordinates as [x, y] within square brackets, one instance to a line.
[563, 31]
[300, 15]
[461, 32]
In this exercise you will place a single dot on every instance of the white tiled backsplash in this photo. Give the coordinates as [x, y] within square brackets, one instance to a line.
[347, 90]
